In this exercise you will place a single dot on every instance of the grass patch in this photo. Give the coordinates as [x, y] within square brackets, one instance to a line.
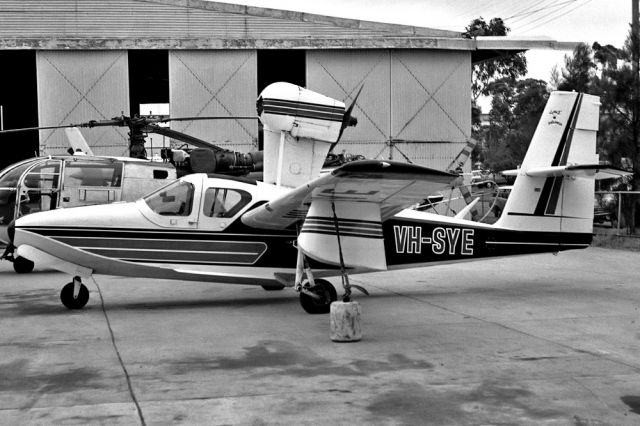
[618, 242]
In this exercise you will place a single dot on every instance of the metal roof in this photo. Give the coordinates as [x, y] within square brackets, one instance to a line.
[197, 24]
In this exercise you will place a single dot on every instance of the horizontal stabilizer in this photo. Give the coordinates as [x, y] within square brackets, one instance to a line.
[595, 171]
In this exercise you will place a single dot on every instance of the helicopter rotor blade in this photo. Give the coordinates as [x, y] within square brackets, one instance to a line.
[174, 134]
[165, 120]
[91, 123]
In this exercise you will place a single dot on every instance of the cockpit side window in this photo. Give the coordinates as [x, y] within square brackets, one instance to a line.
[79, 173]
[224, 202]
[172, 200]
[9, 177]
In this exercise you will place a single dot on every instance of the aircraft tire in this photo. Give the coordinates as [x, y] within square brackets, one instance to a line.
[66, 296]
[328, 293]
[22, 265]
[273, 287]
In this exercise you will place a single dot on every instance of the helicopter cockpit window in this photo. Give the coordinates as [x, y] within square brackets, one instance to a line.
[9, 177]
[222, 202]
[172, 200]
[39, 188]
[80, 173]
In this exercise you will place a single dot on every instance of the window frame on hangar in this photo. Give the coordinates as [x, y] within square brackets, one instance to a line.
[87, 56]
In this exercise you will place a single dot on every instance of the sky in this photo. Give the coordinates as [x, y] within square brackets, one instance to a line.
[604, 21]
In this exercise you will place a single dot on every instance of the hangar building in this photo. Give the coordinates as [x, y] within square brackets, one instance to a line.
[70, 61]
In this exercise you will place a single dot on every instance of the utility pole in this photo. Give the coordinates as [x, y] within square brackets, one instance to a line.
[635, 54]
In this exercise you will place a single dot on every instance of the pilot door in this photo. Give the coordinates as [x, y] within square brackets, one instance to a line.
[220, 206]
[173, 206]
[87, 182]
[39, 188]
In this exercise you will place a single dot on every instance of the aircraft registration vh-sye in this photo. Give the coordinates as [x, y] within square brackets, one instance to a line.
[299, 225]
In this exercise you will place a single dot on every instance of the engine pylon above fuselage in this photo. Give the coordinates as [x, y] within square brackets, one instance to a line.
[299, 128]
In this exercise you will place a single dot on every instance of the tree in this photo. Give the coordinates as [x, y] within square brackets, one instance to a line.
[579, 70]
[607, 71]
[516, 108]
[512, 66]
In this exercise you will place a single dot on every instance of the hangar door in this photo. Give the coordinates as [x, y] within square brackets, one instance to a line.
[78, 86]
[415, 105]
[215, 83]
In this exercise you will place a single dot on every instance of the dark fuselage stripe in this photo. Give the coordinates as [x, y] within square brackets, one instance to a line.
[175, 257]
[342, 234]
[303, 105]
[300, 113]
[550, 194]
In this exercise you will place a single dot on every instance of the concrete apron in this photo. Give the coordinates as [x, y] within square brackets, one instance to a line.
[528, 340]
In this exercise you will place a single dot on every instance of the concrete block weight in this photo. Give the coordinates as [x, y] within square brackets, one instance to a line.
[345, 322]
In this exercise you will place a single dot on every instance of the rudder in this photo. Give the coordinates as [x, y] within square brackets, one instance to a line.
[547, 195]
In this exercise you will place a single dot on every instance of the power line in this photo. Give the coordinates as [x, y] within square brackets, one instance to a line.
[530, 23]
[552, 8]
[557, 17]
[495, 9]
[517, 12]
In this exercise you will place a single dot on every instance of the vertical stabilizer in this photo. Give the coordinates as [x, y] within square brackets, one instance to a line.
[547, 196]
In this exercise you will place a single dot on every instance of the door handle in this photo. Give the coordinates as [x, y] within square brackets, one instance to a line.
[192, 222]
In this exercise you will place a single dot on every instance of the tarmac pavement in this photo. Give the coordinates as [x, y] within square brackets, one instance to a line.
[529, 340]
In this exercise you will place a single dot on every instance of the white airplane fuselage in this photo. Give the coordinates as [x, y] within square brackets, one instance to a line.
[153, 237]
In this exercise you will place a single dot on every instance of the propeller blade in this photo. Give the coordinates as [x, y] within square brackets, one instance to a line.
[348, 120]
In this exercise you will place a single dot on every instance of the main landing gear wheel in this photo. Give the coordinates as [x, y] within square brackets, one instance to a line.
[321, 305]
[22, 265]
[66, 296]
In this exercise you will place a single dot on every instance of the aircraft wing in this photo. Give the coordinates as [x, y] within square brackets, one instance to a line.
[393, 186]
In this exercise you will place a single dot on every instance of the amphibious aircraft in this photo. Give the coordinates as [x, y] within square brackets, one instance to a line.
[299, 226]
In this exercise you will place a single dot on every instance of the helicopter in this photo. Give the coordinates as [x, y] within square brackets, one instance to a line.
[81, 178]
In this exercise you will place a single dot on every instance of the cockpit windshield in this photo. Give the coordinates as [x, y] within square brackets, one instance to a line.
[175, 199]
[9, 177]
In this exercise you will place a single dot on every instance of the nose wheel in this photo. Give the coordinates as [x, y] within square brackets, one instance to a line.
[74, 295]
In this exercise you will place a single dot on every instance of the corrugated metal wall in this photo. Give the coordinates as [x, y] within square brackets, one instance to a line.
[421, 97]
[437, 155]
[428, 101]
[78, 86]
[148, 20]
[339, 74]
[215, 83]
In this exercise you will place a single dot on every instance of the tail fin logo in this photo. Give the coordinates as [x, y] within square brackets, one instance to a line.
[554, 114]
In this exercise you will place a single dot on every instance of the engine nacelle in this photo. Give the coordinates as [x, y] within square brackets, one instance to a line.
[300, 127]
[285, 107]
